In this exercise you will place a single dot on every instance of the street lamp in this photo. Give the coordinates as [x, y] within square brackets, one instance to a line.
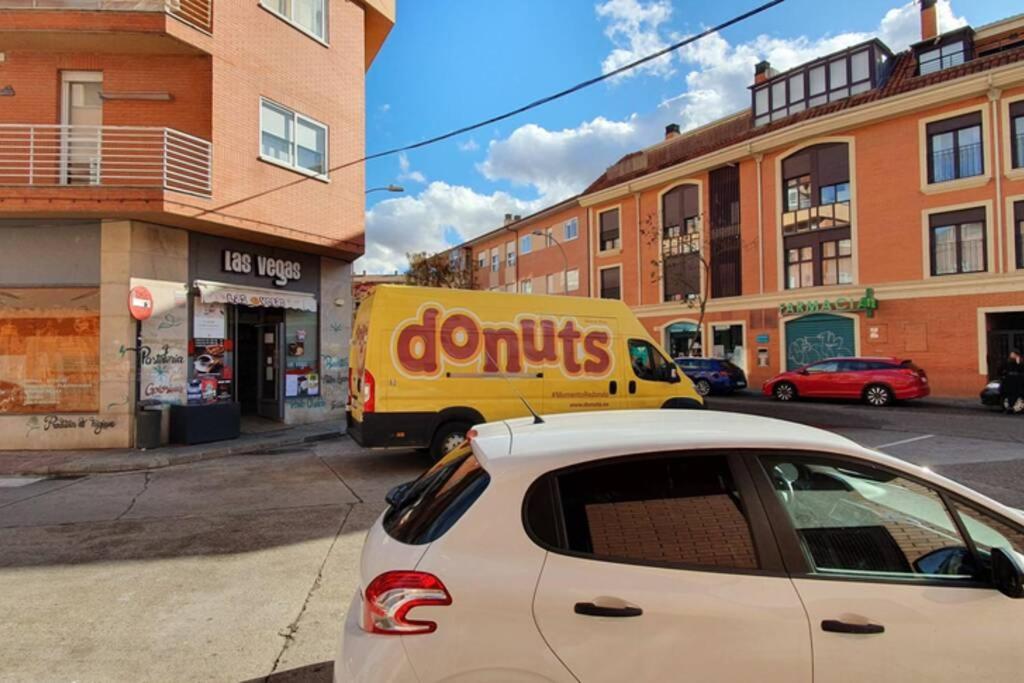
[388, 188]
[565, 259]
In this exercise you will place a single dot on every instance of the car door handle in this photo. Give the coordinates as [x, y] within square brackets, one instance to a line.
[593, 610]
[836, 626]
[613, 387]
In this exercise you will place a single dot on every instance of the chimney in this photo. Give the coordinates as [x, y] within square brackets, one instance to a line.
[763, 71]
[929, 19]
[517, 217]
[508, 218]
[671, 131]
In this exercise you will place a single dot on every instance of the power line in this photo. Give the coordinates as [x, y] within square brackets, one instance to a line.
[515, 112]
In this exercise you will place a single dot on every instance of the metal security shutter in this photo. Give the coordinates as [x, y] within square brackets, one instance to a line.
[817, 337]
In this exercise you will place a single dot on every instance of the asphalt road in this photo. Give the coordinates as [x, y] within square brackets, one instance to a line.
[241, 569]
[977, 446]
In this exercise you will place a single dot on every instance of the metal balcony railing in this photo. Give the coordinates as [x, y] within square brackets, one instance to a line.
[198, 13]
[106, 156]
[821, 217]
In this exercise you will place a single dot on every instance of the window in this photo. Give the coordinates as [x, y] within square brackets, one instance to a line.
[680, 510]
[800, 267]
[525, 244]
[860, 521]
[431, 505]
[941, 58]
[954, 149]
[680, 243]
[648, 363]
[481, 260]
[495, 260]
[292, 140]
[526, 286]
[510, 254]
[609, 221]
[958, 243]
[727, 344]
[823, 368]
[571, 229]
[798, 193]
[831, 194]
[1017, 134]
[1018, 217]
[610, 283]
[837, 262]
[555, 283]
[310, 16]
[49, 351]
[573, 280]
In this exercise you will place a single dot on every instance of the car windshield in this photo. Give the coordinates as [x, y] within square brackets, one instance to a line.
[429, 506]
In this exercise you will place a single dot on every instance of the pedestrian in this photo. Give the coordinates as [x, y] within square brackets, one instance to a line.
[1013, 383]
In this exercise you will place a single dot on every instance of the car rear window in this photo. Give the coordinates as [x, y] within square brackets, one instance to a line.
[732, 367]
[438, 499]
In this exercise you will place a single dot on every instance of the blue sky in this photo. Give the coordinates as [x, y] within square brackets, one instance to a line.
[449, 63]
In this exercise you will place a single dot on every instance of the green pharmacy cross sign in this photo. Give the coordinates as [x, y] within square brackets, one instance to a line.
[867, 303]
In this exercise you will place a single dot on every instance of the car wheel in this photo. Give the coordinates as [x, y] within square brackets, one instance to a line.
[447, 438]
[702, 386]
[784, 391]
[878, 395]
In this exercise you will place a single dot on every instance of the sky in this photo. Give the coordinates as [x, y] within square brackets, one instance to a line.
[449, 63]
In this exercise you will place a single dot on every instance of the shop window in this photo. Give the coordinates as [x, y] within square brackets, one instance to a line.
[302, 349]
[309, 16]
[611, 283]
[954, 149]
[1018, 219]
[290, 139]
[1017, 133]
[727, 344]
[49, 351]
[958, 243]
[610, 233]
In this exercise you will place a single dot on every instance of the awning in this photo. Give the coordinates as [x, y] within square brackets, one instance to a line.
[219, 293]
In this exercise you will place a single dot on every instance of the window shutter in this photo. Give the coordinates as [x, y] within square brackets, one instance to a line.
[610, 225]
[956, 123]
[976, 215]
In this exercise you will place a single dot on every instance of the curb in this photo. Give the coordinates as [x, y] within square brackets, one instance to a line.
[146, 460]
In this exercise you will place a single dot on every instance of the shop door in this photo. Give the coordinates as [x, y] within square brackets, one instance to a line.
[270, 389]
[1005, 333]
[81, 119]
[817, 337]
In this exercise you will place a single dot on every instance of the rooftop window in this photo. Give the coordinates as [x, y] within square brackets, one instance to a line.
[835, 77]
[944, 51]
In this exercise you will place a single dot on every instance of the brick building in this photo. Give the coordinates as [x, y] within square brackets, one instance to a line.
[867, 203]
[183, 148]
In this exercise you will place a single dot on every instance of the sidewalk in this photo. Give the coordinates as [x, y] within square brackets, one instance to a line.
[69, 463]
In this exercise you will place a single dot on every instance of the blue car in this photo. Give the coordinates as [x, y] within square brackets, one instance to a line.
[713, 375]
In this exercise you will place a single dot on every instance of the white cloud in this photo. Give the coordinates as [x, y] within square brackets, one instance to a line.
[396, 227]
[385, 108]
[407, 174]
[634, 27]
[470, 145]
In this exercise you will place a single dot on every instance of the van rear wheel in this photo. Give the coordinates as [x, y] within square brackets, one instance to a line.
[447, 438]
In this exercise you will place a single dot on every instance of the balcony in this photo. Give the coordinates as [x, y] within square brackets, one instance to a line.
[50, 156]
[822, 217]
[196, 13]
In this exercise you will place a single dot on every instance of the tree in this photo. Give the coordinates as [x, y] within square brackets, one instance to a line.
[440, 270]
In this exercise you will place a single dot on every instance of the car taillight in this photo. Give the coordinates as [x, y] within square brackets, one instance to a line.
[389, 598]
[369, 392]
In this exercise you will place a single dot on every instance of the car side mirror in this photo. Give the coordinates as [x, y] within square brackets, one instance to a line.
[1007, 573]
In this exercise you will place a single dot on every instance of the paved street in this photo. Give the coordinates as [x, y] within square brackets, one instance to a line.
[241, 568]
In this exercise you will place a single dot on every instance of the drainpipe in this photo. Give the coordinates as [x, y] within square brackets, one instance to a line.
[639, 247]
[760, 224]
[994, 95]
[590, 257]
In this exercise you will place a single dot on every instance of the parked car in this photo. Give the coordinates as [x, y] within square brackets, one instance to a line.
[992, 394]
[712, 375]
[428, 363]
[876, 381]
[631, 545]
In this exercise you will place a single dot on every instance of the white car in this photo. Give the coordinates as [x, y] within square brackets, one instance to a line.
[697, 546]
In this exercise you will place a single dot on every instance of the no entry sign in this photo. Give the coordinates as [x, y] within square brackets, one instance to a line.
[140, 303]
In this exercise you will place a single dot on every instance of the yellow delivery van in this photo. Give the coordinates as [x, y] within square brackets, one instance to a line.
[426, 364]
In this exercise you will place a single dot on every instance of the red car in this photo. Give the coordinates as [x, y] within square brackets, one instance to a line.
[876, 381]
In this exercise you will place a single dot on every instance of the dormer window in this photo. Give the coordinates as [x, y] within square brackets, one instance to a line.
[941, 58]
[835, 77]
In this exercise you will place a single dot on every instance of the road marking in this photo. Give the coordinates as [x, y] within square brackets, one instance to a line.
[911, 440]
[14, 482]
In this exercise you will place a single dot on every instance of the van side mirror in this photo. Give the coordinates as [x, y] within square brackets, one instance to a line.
[1007, 573]
[673, 376]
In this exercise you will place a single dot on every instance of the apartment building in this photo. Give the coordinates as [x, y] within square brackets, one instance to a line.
[171, 228]
[867, 203]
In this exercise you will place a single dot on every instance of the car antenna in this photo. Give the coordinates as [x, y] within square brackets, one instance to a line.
[537, 419]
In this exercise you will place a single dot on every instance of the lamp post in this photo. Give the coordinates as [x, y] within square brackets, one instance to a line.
[565, 259]
[387, 188]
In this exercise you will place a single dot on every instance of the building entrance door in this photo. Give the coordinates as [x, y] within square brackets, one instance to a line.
[1005, 333]
[81, 117]
[270, 390]
[259, 350]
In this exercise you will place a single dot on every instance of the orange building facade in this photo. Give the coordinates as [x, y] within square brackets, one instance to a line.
[181, 152]
[868, 203]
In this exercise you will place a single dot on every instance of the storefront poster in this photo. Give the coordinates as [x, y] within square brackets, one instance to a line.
[209, 321]
[301, 384]
[163, 352]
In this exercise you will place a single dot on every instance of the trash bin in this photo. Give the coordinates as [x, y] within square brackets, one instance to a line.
[147, 425]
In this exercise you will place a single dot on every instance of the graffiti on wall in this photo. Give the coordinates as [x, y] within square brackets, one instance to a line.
[811, 349]
[55, 423]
